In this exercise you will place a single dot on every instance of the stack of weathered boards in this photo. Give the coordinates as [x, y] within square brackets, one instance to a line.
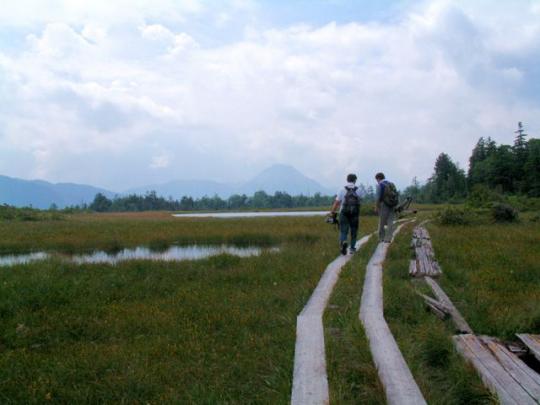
[500, 366]
[424, 263]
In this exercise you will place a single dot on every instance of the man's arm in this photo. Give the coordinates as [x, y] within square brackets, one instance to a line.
[335, 206]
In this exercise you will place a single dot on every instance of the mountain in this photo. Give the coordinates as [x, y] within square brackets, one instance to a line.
[275, 178]
[282, 178]
[41, 194]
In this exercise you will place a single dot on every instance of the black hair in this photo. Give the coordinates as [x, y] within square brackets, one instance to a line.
[380, 176]
[351, 178]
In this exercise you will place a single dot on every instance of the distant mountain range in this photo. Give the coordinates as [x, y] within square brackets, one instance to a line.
[42, 194]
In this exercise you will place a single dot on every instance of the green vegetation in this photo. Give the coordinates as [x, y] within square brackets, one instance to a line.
[492, 272]
[495, 172]
[424, 340]
[259, 200]
[220, 330]
[9, 213]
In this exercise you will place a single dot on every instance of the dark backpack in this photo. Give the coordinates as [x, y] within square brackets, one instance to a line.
[351, 202]
[390, 195]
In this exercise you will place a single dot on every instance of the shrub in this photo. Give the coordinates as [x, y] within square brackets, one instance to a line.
[454, 216]
[504, 213]
[481, 196]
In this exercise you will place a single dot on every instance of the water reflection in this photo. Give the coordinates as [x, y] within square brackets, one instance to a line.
[172, 253]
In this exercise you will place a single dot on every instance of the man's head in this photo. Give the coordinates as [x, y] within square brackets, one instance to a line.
[379, 177]
[351, 178]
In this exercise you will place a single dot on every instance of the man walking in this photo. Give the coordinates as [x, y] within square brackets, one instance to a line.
[348, 203]
[387, 200]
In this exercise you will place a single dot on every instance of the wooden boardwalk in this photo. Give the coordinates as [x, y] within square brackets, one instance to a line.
[310, 381]
[397, 379]
[500, 370]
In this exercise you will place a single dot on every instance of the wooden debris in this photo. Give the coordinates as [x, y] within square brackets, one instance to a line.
[532, 342]
[461, 324]
[438, 308]
[425, 263]
[500, 380]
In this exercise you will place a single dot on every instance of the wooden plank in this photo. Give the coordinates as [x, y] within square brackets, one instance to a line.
[412, 268]
[523, 374]
[438, 313]
[310, 381]
[439, 305]
[460, 323]
[532, 342]
[491, 371]
[397, 380]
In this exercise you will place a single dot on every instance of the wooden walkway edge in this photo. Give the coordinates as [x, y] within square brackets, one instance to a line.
[310, 381]
[397, 379]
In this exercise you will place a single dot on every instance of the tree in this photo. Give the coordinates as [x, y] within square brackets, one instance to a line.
[448, 181]
[532, 169]
[100, 203]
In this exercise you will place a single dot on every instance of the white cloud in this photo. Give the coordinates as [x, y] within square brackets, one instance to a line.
[160, 161]
[328, 99]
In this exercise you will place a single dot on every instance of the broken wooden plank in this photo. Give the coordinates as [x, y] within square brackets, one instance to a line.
[397, 380]
[532, 342]
[523, 374]
[491, 371]
[439, 305]
[461, 324]
[438, 313]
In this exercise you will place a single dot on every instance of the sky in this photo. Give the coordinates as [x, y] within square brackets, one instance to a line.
[125, 93]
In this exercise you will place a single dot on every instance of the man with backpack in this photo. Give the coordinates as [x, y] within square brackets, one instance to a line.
[387, 199]
[348, 202]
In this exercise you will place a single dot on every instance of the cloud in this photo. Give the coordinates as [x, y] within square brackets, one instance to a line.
[147, 90]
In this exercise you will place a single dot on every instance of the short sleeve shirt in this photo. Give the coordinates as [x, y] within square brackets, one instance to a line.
[341, 193]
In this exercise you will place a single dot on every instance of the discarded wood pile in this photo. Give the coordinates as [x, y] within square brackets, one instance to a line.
[503, 372]
[424, 263]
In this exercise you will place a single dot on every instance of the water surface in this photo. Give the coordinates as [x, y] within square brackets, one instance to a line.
[172, 253]
[251, 214]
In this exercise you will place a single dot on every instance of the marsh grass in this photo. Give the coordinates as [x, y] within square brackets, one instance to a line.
[112, 232]
[219, 330]
[424, 340]
[492, 272]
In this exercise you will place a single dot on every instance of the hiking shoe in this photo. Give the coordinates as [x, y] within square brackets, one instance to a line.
[343, 248]
[352, 250]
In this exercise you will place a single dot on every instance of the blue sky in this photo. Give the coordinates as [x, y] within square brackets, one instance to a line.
[125, 93]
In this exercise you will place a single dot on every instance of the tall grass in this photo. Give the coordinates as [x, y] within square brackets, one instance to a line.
[424, 340]
[220, 330]
[492, 272]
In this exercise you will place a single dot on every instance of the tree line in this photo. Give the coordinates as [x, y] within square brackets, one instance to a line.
[496, 169]
[500, 169]
[151, 201]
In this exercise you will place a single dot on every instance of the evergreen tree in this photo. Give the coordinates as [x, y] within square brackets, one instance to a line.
[532, 169]
[448, 181]
[520, 150]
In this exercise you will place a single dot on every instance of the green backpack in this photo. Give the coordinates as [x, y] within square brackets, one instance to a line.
[391, 195]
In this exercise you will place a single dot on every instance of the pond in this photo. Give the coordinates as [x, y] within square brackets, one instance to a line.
[251, 214]
[172, 253]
